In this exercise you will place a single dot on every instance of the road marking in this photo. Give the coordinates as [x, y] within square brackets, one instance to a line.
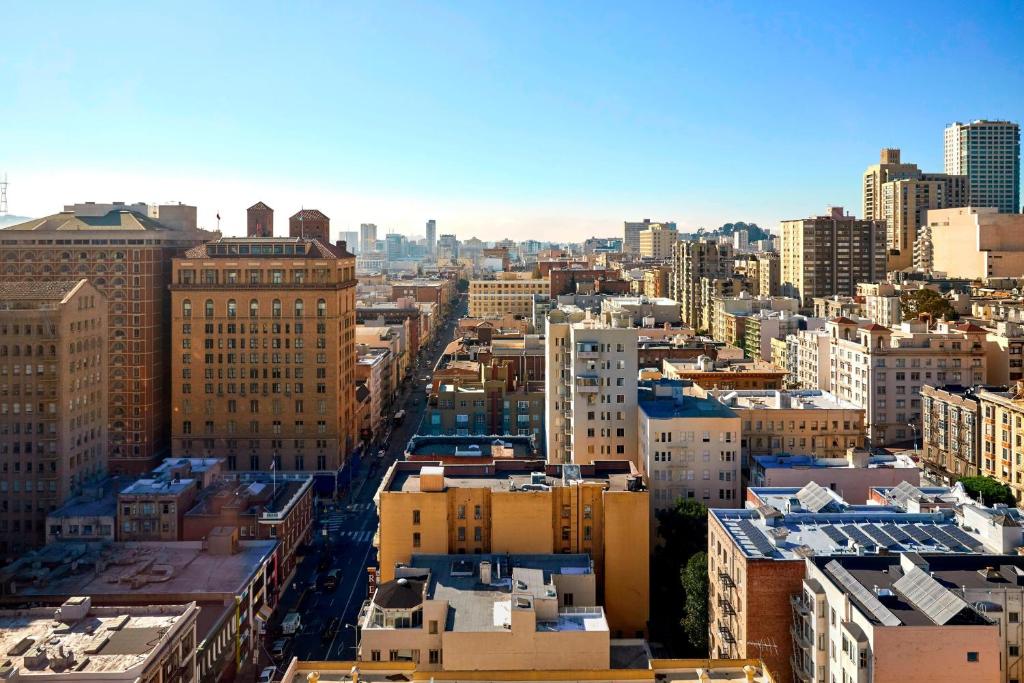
[349, 602]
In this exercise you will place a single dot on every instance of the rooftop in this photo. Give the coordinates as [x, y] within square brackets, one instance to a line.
[81, 639]
[472, 446]
[153, 487]
[665, 399]
[97, 501]
[42, 290]
[814, 521]
[803, 399]
[127, 568]
[785, 461]
[515, 475]
[118, 219]
[296, 247]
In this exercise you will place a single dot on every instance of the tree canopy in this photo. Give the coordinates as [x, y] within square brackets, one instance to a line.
[927, 301]
[695, 616]
[989, 491]
[683, 529]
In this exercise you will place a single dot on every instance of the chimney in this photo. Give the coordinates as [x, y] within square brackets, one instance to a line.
[749, 672]
[485, 572]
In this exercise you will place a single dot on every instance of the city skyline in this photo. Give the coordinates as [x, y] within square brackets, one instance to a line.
[390, 129]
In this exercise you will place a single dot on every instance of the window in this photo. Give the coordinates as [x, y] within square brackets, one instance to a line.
[1014, 650]
[973, 657]
[435, 656]
[375, 655]
[433, 626]
[186, 308]
[460, 533]
[416, 539]
[415, 516]
[1013, 617]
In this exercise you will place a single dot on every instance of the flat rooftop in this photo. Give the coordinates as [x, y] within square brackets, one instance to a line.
[814, 521]
[107, 640]
[127, 568]
[471, 446]
[155, 487]
[796, 399]
[515, 475]
[476, 606]
[799, 462]
[677, 404]
[101, 501]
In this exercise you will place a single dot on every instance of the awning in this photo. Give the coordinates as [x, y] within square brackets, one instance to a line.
[264, 612]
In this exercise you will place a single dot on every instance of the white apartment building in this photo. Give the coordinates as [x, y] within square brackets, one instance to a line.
[591, 385]
[882, 369]
[812, 359]
[882, 304]
[689, 446]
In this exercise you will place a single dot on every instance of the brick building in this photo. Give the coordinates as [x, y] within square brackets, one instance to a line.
[264, 353]
[259, 220]
[127, 257]
[53, 402]
[311, 224]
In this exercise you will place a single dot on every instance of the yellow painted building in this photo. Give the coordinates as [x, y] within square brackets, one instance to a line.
[525, 507]
[505, 296]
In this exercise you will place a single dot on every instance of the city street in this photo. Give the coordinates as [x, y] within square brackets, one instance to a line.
[343, 536]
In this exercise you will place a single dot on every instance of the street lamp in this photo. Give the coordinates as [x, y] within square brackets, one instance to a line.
[355, 645]
[914, 427]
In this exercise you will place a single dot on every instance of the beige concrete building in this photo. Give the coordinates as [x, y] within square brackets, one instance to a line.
[798, 422]
[264, 353]
[900, 194]
[951, 428]
[80, 642]
[973, 242]
[882, 303]
[53, 402]
[592, 366]
[827, 255]
[633, 229]
[657, 240]
[882, 370]
[689, 446]
[480, 612]
[813, 366]
[507, 295]
[769, 273]
[126, 255]
[524, 507]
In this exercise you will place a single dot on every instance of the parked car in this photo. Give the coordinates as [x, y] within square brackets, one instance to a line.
[278, 649]
[267, 675]
[291, 623]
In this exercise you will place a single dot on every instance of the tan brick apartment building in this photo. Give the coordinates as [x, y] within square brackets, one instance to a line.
[263, 359]
[53, 402]
[127, 257]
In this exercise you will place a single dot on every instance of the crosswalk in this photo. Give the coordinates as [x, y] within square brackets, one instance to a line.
[357, 536]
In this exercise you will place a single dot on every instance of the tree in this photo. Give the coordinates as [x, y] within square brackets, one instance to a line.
[927, 301]
[684, 532]
[462, 285]
[988, 490]
[695, 617]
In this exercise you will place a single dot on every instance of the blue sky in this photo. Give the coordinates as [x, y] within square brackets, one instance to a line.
[543, 120]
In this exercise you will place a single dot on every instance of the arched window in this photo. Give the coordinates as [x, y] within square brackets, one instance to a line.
[232, 308]
[321, 308]
[186, 308]
[276, 308]
[209, 308]
[299, 308]
[254, 308]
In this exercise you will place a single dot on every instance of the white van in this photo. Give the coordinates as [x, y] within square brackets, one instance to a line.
[291, 624]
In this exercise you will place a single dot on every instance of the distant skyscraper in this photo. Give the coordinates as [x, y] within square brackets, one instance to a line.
[988, 153]
[351, 240]
[396, 246]
[431, 236]
[260, 220]
[367, 238]
[447, 247]
[311, 224]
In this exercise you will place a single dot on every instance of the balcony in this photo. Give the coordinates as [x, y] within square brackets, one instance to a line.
[800, 638]
[799, 605]
[588, 385]
[725, 634]
[725, 607]
[725, 580]
[799, 672]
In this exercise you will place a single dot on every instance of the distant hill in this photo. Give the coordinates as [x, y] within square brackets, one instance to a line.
[12, 220]
[754, 231]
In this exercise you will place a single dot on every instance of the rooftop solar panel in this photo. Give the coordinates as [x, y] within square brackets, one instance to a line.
[928, 595]
[857, 535]
[963, 537]
[756, 538]
[940, 535]
[898, 535]
[883, 539]
[834, 534]
[872, 604]
[918, 534]
[813, 497]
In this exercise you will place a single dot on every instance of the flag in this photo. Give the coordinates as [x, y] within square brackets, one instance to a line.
[218, 215]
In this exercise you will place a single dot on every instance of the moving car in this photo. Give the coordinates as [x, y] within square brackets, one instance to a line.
[332, 579]
[267, 675]
[399, 416]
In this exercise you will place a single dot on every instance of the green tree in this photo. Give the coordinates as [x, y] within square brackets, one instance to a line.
[988, 490]
[683, 530]
[927, 301]
[695, 617]
[462, 285]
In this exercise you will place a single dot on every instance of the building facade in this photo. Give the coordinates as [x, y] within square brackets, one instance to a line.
[828, 255]
[504, 296]
[951, 431]
[259, 220]
[310, 224]
[264, 353]
[53, 402]
[988, 153]
[127, 257]
[657, 240]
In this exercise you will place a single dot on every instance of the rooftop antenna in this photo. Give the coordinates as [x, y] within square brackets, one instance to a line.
[3, 196]
[767, 645]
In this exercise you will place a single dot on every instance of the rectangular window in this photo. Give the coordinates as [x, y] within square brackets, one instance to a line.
[416, 539]
[415, 516]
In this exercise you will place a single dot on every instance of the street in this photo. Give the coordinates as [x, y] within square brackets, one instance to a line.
[343, 535]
